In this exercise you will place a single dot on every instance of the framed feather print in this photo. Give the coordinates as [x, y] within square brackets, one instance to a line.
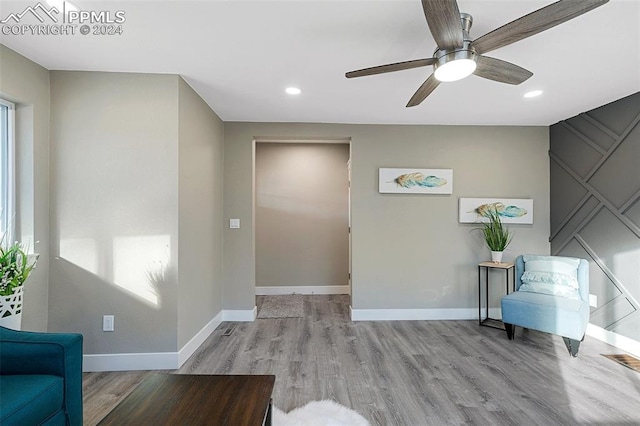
[415, 181]
[510, 210]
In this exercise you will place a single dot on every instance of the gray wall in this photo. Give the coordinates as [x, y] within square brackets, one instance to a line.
[114, 216]
[408, 251]
[200, 166]
[302, 214]
[118, 142]
[136, 188]
[595, 208]
[27, 85]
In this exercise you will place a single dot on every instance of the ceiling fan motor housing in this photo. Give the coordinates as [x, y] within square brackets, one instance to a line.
[466, 54]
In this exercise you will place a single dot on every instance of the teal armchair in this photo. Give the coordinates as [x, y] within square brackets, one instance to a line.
[551, 295]
[40, 378]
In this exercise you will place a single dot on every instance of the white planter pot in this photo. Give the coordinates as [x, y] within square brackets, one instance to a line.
[11, 309]
[496, 256]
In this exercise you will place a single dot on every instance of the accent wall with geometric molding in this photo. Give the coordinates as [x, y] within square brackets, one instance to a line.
[595, 206]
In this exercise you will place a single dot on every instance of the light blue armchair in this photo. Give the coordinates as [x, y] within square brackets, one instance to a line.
[551, 295]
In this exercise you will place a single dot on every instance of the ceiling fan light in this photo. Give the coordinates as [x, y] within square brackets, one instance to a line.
[533, 94]
[455, 70]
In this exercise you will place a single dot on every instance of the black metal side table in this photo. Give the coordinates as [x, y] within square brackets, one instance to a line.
[506, 266]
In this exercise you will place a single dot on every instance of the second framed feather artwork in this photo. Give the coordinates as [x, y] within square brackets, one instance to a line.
[510, 210]
[415, 181]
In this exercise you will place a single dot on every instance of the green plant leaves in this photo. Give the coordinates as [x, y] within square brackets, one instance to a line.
[496, 235]
[14, 268]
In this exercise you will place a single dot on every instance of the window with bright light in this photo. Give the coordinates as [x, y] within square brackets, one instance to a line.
[7, 187]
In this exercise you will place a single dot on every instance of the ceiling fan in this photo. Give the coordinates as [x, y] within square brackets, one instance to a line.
[458, 56]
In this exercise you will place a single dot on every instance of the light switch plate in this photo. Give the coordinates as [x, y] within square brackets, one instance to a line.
[108, 323]
[234, 223]
[593, 300]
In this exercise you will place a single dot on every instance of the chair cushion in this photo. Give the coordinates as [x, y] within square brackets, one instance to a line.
[30, 398]
[554, 275]
[563, 316]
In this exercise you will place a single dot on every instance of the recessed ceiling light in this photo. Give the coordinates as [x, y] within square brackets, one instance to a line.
[533, 94]
[292, 90]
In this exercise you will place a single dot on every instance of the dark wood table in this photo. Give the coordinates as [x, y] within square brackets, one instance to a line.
[177, 399]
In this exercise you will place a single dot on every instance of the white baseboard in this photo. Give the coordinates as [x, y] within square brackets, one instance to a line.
[132, 361]
[154, 360]
[412, 314]
[247, 315]
[621, 342]
[192, 345]
[286, 289]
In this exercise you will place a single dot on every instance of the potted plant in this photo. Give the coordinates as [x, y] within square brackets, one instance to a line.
[496, 235]
[15, 267]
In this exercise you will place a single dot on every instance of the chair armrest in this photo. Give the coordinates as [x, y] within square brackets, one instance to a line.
[519, 271]
[58, 354]
[583, 280]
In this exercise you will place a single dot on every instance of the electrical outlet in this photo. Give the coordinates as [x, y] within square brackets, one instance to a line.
[107, 323]
[593, 300]
[234, 223]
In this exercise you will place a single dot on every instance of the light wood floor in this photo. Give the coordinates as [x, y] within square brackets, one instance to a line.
[408, 372]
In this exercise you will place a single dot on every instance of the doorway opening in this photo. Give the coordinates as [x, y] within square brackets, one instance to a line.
[302, 217]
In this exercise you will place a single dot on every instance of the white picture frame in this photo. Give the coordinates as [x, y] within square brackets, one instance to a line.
[511, 210]
[415, 181]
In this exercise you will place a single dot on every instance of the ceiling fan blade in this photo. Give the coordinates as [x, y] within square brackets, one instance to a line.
[534, 23]
[398, 66]
[423, 91]
[443, 18]
[501, 71]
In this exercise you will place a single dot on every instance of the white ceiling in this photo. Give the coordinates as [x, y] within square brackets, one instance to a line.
[241, 55]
